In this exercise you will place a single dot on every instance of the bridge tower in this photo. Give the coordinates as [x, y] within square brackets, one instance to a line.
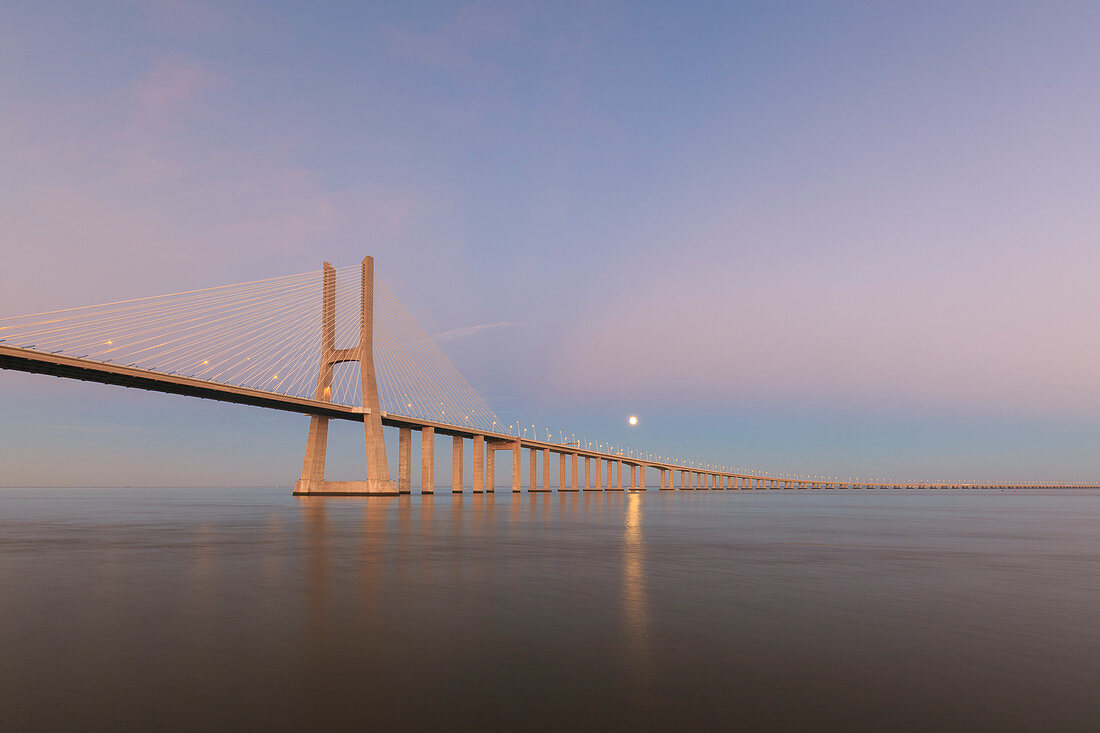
[378, 481]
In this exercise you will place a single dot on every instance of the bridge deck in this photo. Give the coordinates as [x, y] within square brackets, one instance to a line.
[36, 362]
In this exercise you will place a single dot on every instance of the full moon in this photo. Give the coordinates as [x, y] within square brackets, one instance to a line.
[633, 420]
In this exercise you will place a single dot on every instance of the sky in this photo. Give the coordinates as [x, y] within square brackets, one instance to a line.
[844, 239]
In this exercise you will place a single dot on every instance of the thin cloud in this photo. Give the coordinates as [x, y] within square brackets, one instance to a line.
[459, 333]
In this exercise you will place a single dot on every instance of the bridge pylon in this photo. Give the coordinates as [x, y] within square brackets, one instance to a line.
[378, 483]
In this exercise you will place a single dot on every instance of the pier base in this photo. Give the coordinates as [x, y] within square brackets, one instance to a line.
[370, 487]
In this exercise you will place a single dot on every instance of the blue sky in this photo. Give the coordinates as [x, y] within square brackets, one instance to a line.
[843, 238]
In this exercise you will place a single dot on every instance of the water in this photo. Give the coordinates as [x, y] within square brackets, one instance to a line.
[192, 609]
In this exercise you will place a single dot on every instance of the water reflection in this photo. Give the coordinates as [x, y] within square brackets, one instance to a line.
[635, 605]
[247, 609]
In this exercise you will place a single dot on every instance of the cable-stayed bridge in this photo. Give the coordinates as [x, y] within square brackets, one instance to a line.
[337, 344]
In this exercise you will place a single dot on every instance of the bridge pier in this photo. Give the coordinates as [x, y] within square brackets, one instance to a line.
[596, 472]
[546, 469]
[533, 481]
[479, 463]
[456, 465]
[561, 473]
[427, 461]
[404, 460]
[515, 467]
[490, 469]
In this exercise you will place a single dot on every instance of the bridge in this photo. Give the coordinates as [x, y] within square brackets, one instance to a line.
[314, 344]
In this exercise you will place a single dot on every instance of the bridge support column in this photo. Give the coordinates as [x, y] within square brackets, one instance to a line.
[562, 478]
[534, 456]
[533, 482]
[587, 473]
[619, 479]
[633, 476]
[490, 469]
[641, 478]
[427, 461]
[479, 464]
[456, 465]
[515, 467]
[404, 460]
[546, 469]
[574, 479]
[597, 473]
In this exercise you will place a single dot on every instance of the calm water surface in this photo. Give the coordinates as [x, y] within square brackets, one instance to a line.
[200, 609]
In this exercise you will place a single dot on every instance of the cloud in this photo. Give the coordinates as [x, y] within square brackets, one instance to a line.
[459, 333]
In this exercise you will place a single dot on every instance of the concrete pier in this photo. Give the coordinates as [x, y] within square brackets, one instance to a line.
[546, 469]
[404, 460]
[490, 469]
[456, 465]
[533, 481]
[427, 460]
[479, 464]
[515, 467]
